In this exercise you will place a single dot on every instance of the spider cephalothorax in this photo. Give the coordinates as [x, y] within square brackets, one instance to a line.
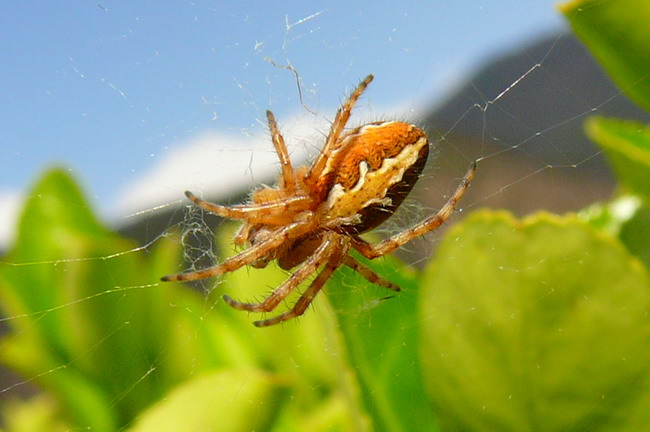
[315, 214]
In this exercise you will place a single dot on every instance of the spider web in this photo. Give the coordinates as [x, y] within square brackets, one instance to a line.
[219, 133]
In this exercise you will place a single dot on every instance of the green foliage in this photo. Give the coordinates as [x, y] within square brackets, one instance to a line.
[535, 324]
[627, 146]
[548, 331]
[91, 324]
[381, 336]
[618, 36]
[229, 400]
[617, 33]
[508, 344]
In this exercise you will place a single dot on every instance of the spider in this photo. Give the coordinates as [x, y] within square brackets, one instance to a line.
[315, 214]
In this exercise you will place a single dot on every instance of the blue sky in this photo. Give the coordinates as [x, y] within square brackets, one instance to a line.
[118, 90]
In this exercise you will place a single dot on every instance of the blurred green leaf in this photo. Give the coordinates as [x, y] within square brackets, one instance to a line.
[540, 324]
[89, 319]
[610, 216]
[91, 323]
[627, 146]
[227, 400]
[626, 217]
[56, 231]
[41, 413]
[618, 35]
[381, 333]
[635, 234]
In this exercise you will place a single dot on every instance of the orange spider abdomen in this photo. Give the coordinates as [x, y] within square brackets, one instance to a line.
[370, 172]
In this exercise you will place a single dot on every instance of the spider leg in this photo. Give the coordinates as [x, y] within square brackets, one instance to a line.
[320, 256]
[281, 236]
[334, 262]
[341, 119]
[288, 176]
[390, 244]
[273, 213]
[368, 274]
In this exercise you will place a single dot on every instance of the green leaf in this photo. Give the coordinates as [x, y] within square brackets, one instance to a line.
[635, 234]
[39, 294]
[626, 217]
[84, 400]
[229, 400]
[540, 324]
[627, 146]
[618, 35]
[89, 319]
[381, 332]
[610, 216]
[40, 413]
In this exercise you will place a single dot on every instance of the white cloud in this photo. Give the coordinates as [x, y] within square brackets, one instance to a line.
[218, 166]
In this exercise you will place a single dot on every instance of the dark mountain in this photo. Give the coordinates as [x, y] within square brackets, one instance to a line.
[524, 113]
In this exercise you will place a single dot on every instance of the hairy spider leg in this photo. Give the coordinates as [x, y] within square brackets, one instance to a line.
[333, 263]
[294, 230]
[288, 175]
[272, 213]
[368, 274]
[390, 244]
[318, 258]
[341, 119]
